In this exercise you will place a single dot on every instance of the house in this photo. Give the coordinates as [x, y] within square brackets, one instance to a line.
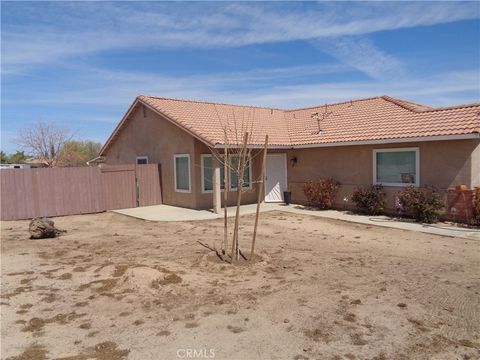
[37, 162]
[31, 163]
[378, 140]
[15, 166]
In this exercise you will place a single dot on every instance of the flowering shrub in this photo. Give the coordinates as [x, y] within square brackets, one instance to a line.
[370, 200]
[424, 204]
[476, 207]
[321, 193]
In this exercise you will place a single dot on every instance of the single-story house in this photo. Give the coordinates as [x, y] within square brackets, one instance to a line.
[378, 140]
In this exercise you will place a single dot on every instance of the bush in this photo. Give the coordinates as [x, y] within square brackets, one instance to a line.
[424, 204]
[476, 207]
[370, 200]
[321, 193]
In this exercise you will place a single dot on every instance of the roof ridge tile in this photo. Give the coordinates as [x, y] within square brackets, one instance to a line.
[209, 102]
[333, 104]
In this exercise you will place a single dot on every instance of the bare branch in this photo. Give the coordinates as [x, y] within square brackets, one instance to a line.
[44, 140]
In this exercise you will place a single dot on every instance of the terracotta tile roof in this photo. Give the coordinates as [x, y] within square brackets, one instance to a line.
[380, 118]
[371, 119]
[208, 120]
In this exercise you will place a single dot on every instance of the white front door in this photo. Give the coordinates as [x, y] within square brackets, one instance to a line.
[275, 177]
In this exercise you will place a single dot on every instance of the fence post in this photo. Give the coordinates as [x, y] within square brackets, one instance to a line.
[36, 201]
[137, 189]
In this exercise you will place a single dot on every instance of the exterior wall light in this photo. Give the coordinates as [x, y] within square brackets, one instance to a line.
[293, 161]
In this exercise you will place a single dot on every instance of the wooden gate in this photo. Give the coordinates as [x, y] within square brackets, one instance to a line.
[29, 193]
[149, 185]
[119, 189]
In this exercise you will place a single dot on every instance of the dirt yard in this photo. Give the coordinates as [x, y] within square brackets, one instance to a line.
[115, 287]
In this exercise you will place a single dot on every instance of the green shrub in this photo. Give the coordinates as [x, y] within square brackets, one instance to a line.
[424, 204]
[321, 193]
[370, 201]
[476, 207]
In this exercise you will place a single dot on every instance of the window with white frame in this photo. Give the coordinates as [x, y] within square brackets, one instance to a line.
[141, 160]
[396, 167]
[234, 164]
[181, 164]
[207, 174]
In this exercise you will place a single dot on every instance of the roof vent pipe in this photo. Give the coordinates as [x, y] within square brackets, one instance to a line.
[317, 117]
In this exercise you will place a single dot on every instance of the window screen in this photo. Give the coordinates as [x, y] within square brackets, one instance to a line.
[234, 161]
[396, 167]
[182, 173]
[142, 160]
[208, 174]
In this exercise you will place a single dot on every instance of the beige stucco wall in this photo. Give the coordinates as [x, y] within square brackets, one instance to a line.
[159, 139]
[442, 164]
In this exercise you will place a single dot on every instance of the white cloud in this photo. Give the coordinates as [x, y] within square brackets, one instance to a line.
[63, 30]
[94, 110]
[362, 54]
[434, 90]
[116, 89]
[111, 88]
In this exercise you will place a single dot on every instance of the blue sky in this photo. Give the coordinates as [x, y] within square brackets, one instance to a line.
[81, 64]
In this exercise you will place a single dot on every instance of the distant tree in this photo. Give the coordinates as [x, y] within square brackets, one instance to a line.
[44, 140]
[4, 158]
[77, 153]
[18, 158]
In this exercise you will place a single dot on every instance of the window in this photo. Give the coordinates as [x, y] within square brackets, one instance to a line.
[207, 174]
[181, 165]
[234, 164]
[396, 167]
[141, 160]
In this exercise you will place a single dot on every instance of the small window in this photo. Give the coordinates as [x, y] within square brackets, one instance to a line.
[234, 164]
[182, 172]
[207, 174]
[396, 167]
[141, 160]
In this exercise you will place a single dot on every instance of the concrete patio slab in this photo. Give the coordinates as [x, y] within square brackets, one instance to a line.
[172, 213]
[385, 221]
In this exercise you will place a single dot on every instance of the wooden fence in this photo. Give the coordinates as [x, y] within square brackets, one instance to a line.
[29, 193]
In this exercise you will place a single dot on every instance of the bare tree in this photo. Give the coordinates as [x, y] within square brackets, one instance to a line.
[236, 158]
[44, 140]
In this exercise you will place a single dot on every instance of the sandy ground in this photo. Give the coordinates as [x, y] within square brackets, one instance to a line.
[115, 287]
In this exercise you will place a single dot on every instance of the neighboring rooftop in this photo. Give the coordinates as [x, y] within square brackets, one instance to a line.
[349, 122]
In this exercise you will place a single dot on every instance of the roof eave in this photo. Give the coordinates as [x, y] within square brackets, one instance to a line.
[473, 135]
[168, 118]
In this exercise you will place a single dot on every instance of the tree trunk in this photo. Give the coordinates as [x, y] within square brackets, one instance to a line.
[259, 199]
[235, 247]
[225, 200]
